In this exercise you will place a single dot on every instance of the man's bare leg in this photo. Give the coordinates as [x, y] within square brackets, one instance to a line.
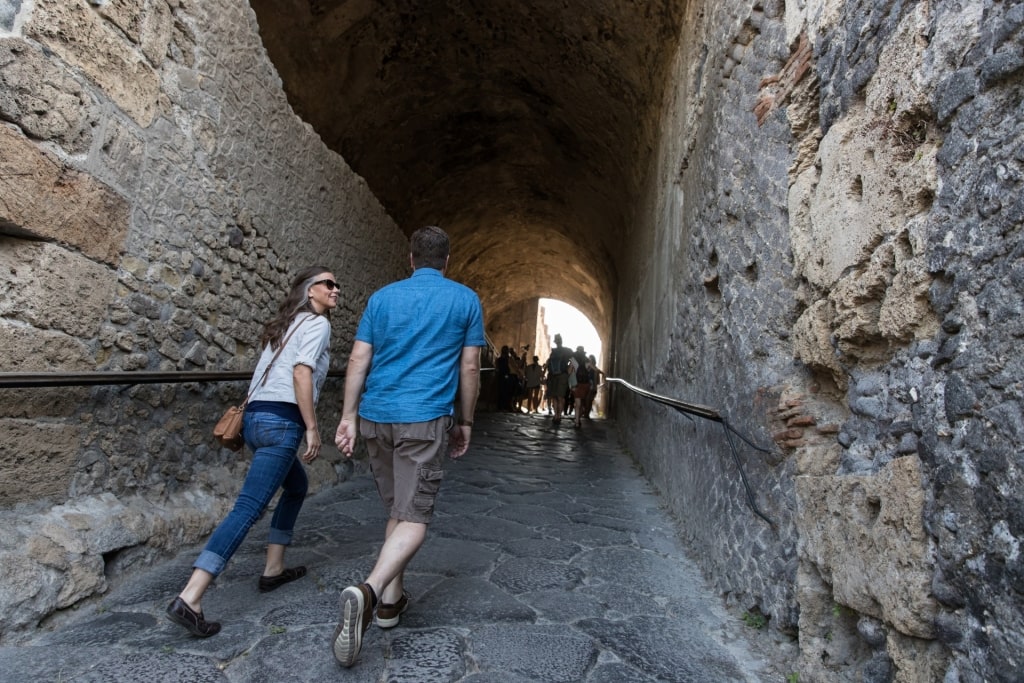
[402, 541]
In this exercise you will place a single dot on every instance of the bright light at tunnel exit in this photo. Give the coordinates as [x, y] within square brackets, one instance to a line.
[575, 328]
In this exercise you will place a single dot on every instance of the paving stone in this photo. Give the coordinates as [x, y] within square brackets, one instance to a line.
[589, 536]
[564, 607]
[491, 677]
[155, 584]
[481, 528]
[434, 655]
[619, 523]
[556, 500]
[642, 570]
[618, 673]
[531, 515]
[651, 645]
[297, 611]
[536, 652]
[463, 500]
[159, 667]
[547, 548]
[619, 600]
[302, 655]
[454, 557]
[48, 662]
[460, 602]
[522, 574]
[128, 628]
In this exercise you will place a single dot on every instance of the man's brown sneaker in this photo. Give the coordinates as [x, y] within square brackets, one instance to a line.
[388, 616]
[356, 615]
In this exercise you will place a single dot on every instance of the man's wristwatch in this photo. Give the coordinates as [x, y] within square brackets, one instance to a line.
[464, 423]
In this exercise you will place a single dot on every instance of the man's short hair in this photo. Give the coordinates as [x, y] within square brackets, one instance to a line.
[429, 247]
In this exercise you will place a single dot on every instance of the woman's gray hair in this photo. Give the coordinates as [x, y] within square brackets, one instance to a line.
[304, 302]
[296, 301]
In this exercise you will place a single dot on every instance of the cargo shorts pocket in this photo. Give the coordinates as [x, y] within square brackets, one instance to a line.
[428, 483]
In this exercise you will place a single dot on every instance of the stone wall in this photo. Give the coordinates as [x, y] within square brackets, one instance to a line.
[828, 252]
[156, 195]
[710, 251]
[514, 326]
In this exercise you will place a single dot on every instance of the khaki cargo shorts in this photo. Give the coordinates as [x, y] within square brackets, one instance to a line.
[406, 460]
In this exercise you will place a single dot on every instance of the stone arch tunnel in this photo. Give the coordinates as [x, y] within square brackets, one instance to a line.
[807, 215]
[521, 130]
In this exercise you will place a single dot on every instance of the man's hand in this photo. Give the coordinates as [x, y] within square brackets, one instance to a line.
[458, 440]
[345, 437]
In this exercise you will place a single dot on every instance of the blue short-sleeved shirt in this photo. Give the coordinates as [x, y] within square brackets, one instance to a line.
[417, 328]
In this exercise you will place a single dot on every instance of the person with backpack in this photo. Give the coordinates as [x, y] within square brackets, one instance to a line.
[558, 376]
[534, 374]
[582, 388]
[597, 376]
[506, 380]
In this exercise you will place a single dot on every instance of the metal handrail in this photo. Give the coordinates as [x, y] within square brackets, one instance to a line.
[708, 414]
[23, 380]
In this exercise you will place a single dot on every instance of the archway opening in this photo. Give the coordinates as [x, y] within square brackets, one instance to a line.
[576, 329]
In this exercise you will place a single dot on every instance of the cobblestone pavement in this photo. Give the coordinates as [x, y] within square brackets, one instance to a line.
[549, 559]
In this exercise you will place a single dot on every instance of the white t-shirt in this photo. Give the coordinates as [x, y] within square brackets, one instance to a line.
[310, 346]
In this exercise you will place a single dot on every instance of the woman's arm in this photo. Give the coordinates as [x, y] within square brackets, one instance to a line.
[302, 376]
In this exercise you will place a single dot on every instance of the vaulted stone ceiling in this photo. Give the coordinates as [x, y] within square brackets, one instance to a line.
[520, 126]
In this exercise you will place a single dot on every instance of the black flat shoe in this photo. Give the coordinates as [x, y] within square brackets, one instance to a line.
[180, 613]
[269, 583]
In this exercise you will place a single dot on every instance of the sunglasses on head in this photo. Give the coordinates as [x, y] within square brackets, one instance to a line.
[331, 284]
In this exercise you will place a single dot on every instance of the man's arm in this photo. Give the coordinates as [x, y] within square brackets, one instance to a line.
[469, 390]
[355, 378]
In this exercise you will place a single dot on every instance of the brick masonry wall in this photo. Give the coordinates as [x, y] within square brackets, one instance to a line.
[157, 193]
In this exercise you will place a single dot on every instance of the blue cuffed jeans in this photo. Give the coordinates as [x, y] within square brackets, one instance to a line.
[274, 441]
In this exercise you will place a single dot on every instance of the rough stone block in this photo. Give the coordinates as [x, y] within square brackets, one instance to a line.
[915, 659]
[44, 100]
[812, 341]
[148, 25]
[53, 288]
[18, 349]
[38, 460]
[866, 536]
[26, 586]
[42, 197]
[82, 38]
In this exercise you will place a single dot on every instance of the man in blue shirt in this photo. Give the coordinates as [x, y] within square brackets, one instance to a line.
[417, 347]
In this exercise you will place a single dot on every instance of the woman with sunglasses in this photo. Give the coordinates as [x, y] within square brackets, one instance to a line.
[279, 414]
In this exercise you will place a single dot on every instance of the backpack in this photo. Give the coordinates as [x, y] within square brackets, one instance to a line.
[558, 363]
[582, 374]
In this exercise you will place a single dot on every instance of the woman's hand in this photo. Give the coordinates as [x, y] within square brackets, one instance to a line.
[312, 445]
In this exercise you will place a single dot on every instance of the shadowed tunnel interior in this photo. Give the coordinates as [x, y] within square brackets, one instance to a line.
[521, 127]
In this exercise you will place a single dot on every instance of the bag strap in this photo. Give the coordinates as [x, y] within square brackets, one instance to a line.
[266, 373]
